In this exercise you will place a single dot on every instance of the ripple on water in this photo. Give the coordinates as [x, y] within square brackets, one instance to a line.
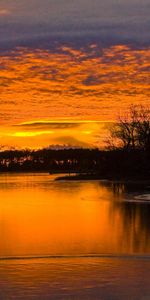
[80, 278]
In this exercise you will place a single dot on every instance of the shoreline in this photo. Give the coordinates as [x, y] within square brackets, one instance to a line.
[127, 179]
[64, 176]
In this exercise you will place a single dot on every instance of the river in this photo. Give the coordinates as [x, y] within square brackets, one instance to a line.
[73, 239]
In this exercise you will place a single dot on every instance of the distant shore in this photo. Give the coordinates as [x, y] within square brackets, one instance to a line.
[79, 177]
[72, 176]
[79, 164]
[84, 177]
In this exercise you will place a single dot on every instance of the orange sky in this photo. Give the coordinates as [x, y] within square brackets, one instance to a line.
[67, 96]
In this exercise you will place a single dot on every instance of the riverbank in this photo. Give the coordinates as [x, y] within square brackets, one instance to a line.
[79, 177]
[137, 180]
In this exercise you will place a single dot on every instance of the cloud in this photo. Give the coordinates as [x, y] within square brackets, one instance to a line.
[49, 124]
[55, 85]
[4, 12]
[75, 22]
[92, 80]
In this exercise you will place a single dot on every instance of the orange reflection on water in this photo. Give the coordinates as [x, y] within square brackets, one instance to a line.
[41, 217]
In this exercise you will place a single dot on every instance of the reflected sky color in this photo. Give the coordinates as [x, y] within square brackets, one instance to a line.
[69, 218]
[74, 60]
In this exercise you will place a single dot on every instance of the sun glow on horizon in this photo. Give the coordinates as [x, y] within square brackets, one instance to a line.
[37, 134]
[31, 134]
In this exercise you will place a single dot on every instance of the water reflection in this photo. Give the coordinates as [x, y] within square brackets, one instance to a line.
[39, 216]
[134, 217]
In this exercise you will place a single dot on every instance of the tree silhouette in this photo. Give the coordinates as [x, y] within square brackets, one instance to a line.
[131, 131]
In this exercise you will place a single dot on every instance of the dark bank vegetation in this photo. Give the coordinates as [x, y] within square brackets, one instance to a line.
[91, 162]
[127, 154]
[54, 161]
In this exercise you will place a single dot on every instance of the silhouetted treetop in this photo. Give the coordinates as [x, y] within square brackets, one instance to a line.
[131, 131]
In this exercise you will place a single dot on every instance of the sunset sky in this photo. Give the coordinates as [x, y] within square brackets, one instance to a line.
[68, 67]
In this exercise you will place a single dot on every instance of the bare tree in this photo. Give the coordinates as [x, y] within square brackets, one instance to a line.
[131, 131]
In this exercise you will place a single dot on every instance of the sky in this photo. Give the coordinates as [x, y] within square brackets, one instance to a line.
[69, 67]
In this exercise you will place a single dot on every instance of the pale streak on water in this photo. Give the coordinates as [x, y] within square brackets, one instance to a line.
[73, 240]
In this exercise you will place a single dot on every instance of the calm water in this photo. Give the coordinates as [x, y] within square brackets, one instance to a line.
[73, 240]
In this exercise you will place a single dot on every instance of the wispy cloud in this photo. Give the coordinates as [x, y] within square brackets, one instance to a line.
[49, 124]
[62, 124]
